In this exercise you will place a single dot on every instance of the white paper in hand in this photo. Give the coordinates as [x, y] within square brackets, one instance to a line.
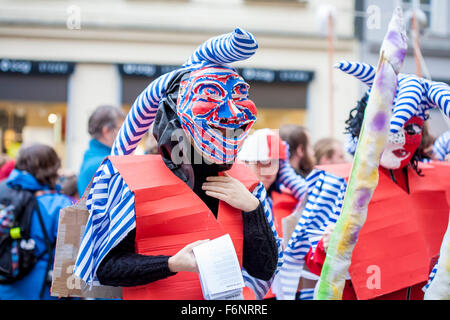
[219, 270]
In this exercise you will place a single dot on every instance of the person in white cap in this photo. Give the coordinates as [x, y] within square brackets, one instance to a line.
[267, 155]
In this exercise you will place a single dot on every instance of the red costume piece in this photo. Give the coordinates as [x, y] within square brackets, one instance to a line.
[401, 238]
[6, 169]
[169, 215]
[283, 205]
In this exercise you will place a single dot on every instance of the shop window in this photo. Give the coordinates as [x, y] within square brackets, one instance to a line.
[32, 122]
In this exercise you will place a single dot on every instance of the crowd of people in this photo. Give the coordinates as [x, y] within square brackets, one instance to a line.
[260, 186]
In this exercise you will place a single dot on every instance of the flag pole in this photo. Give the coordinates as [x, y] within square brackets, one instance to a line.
[330, 70]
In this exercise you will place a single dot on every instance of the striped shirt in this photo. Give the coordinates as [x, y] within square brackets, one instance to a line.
[441, 147]
[324, 201]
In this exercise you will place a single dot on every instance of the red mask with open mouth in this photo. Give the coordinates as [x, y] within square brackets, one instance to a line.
[401, 146]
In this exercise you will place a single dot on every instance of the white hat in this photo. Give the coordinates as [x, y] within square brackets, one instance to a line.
[262, 145]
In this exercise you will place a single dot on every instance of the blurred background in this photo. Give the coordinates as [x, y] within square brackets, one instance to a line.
[61, 59]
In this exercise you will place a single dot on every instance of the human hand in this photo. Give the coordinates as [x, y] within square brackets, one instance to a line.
[232, 191]
[184, 260]
[327, 235]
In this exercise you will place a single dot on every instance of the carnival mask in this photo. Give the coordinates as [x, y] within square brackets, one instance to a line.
[214, 110]
[402, 145]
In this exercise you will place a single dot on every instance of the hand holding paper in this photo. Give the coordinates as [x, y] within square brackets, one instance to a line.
[219, 270]
[184, 260]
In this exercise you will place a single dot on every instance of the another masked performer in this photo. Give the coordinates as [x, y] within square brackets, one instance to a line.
[148, 212]
[408, 213]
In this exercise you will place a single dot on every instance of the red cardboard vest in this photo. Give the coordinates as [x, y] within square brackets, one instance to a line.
[169, 215]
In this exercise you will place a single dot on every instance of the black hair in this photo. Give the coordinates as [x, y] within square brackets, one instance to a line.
[356, 117]
[354, 124]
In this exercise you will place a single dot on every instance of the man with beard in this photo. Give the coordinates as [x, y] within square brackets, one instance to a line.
[148, 212]
[301, 154]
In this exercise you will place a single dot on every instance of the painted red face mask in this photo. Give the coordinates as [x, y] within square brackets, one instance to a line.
[214, 109]
[401, 146]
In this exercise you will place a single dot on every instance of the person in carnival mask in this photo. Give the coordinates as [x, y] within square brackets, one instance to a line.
[148, 212]
[408, 213]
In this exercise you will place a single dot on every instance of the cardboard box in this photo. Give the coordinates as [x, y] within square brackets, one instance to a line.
[72, 222]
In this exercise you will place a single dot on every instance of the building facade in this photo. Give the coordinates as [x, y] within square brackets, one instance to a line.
[59, 60]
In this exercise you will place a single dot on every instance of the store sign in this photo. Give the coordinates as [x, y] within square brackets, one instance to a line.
[269, 75]
[249, 74]
[35, 67]
[295, 76]
[145, 70]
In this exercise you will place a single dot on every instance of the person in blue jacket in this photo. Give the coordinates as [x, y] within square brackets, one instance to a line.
[36, 170]
[103, 126]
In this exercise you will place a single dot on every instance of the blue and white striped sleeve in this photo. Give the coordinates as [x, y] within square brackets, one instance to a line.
[291, 180]
[408, 101]
[288, 178]
[111, 218]
[441, 147]
[325, 196]
[417, 95]
[361, 71]
[438, 93]
[430, 278]
[141, 116]
[227, 48]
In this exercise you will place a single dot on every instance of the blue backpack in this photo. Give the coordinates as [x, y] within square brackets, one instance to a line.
[17, 248]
